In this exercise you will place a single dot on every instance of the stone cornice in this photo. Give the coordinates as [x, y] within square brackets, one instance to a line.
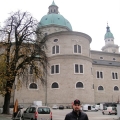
[70, 33]
[104, 53]
[69, 57]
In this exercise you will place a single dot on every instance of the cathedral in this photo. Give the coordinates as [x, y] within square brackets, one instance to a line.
[75, 71]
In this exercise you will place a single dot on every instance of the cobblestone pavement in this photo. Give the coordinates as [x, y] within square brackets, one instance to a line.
[5, 117]
[60, 115]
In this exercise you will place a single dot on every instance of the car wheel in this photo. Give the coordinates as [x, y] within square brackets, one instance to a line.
[109, 113]
[103, 113]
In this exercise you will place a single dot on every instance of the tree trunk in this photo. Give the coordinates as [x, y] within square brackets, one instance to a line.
[6, 103]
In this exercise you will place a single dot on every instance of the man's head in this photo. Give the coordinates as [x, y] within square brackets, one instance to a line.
[76, 105]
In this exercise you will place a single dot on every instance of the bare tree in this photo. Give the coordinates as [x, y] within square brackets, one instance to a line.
[22, 42]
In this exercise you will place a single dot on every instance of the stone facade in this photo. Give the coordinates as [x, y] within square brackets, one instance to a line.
[74, 71]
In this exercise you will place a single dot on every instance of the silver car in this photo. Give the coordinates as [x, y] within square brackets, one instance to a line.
[36, 112]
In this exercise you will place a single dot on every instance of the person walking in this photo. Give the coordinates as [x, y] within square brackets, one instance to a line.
[76, 114]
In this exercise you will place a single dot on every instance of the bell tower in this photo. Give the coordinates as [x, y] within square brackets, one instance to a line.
[109, 42]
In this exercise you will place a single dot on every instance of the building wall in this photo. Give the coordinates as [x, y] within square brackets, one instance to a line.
[67, 78]
[108, 94]
[106, 55]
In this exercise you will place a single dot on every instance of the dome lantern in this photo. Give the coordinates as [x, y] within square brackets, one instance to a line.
[108, 33]
[53, 8]
[54, 18]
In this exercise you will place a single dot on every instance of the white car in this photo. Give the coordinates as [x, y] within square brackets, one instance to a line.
[54, 107]
[109, 110]
[88, 107]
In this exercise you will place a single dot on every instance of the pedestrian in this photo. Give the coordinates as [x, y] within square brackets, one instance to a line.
[76, 113]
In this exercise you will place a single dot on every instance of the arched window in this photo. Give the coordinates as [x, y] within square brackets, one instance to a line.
[79, 85]
[33, 86]
[116, 88]
[55, 49]
[100, 88]
[55, 85]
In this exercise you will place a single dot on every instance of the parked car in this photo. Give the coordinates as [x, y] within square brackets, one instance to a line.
[88, 107]
[109, 110]
[61, 107]
[36, 112]
[54, 107]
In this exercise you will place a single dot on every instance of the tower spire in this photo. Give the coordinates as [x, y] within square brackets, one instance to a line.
[109, 42]
[108, 28]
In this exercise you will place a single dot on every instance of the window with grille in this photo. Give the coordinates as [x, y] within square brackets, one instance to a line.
[100, 88]
[55, 85]
[116, 88]
[79, 85]
[33, 86]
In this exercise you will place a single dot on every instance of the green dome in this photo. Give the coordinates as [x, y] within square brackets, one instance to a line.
[108, 33]
[55, 19]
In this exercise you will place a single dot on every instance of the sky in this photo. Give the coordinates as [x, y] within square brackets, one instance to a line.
[86, 16]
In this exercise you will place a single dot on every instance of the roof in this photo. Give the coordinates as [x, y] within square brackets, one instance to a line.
[105, 62]
[108, 33]
[53, 3]
[54, 18]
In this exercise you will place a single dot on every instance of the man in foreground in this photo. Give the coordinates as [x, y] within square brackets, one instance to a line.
[76, 114]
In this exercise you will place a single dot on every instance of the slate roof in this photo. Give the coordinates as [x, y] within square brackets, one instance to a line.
[105, 62]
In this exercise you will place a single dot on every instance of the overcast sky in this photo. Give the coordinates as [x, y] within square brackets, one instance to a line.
[87, 16]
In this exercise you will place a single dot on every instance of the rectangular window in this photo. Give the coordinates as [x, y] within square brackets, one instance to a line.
[81, 68]
[99, 74]
[54, 69]
[114, 75]
[78, 68]
[75, 48]
[79, 49]
[57, 68]
[57, 49]
[53, 50]
[31, 69]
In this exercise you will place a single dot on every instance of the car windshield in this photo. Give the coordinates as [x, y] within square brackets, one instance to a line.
[32, 110]
[43, 110]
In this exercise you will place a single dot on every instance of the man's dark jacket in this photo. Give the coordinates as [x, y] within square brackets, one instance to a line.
[74, 116]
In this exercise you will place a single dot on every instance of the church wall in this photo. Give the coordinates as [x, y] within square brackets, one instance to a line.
[26, 96]
[52, 29]
[108, 94]
[66, 43]
[67, 80]
[106, 56]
